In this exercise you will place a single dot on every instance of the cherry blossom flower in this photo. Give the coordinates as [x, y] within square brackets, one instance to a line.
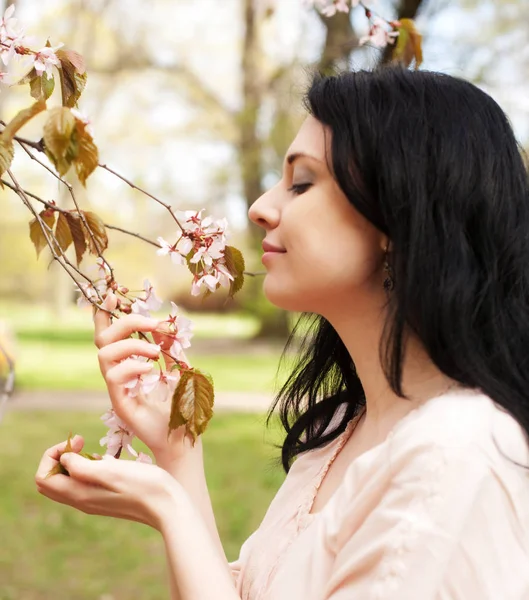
[207, 253]
[91, 292]
[210, 281]
[182, 330]
[144, 458]
[118, 436]
[46, 59]
[8, 23]
[167, 249]
[162, 383]
[150, 302]
[378, 34]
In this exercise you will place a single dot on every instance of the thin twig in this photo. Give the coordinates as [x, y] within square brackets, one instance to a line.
[134, 186]
[23, 142]
[45, 230]
[65, 211]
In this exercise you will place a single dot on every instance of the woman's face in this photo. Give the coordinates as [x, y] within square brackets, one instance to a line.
[328, 253]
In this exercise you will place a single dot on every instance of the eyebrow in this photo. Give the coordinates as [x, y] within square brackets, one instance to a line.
[295, 155]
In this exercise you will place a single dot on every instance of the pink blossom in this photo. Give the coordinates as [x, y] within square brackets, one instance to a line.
[209, 281]
[167, 249]
[207, 253]
[378, 34]
[46, 59]
[223, 275]
[144, 458]
[118, 436]
[143, 306]
[182, 330]
[8, 23]
[91, 292]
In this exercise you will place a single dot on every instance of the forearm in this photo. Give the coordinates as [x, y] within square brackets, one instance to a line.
[191, 554]
[190, 475]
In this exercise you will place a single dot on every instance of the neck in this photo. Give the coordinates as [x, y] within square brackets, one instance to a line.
[361, 333]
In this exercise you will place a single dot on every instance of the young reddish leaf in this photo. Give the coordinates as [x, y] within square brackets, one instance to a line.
[72, 75]
[21, 118]
[7, 151]
[59, 469]
[74, 58]
[192, 403]
[409, 44]
[78, 235]
[58, 133]
[99, 232]
[87, 157]
[63, 235]
[235, 265]
[41, 87]
[35, 232]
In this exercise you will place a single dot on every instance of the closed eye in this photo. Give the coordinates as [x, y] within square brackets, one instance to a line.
[299, 188]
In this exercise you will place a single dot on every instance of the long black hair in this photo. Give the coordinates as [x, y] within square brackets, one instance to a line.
[432, 162]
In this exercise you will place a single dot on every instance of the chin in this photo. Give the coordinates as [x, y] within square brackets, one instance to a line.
[285, 298]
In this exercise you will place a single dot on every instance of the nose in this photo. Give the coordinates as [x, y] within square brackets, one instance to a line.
[265, 211]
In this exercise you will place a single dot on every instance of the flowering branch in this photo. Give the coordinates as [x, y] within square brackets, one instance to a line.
[409, 42]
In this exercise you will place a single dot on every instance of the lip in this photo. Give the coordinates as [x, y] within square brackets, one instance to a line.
[268, 247]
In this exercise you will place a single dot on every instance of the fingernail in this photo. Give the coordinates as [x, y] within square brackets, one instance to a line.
[156, 348]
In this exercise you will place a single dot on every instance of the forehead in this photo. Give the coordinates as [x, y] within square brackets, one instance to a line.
[311, 138]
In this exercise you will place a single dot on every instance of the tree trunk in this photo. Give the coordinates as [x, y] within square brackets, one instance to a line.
[273, 322]
[340, 39]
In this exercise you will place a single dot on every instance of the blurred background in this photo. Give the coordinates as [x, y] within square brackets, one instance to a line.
[197, 102]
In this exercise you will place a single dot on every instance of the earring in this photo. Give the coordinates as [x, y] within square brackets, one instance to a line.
[389, 282]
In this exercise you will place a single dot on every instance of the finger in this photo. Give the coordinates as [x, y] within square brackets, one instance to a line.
[52, 455]
[81, 469]
[123, 328]
[165, 342]
[102, 319]
[122, 349]
[125, 371]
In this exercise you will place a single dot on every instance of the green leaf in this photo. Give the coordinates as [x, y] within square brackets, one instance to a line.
[7, 152]
[192, 403]
[235, 265]
[35, 231]
[41, 87]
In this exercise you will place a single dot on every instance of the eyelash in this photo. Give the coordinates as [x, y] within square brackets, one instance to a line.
[299, 188]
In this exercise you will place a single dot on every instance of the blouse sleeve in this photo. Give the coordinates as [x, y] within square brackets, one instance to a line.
[428, 535]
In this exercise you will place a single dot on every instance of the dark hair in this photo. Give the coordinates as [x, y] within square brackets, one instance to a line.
[432, 162]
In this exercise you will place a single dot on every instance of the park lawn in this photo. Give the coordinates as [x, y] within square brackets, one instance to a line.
[52, 552]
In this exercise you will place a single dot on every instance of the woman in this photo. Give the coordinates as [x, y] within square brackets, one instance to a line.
[401, 223]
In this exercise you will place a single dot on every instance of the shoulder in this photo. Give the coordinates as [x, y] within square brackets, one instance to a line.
[463, 423]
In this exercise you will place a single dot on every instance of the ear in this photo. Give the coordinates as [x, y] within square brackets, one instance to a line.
[386, 244]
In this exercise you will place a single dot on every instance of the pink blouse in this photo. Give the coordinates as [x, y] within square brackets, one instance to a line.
[435, 512]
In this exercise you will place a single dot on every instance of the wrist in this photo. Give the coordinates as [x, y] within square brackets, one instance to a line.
[169, 503]
[179, 454]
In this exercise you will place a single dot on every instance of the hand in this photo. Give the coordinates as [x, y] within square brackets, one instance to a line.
[110, 487]
[149, 419]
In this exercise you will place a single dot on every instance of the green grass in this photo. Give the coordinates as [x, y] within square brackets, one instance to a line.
[56, 354]
[52, 552]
